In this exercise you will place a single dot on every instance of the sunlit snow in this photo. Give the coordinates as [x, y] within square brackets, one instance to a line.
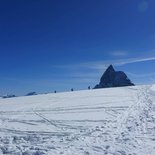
[113, 121]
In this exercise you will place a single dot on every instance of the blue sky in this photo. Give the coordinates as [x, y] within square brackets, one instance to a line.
[48, 45]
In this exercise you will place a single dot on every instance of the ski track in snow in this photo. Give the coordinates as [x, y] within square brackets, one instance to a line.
[118, 121]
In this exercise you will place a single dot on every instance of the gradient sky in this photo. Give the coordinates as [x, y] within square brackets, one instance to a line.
[48, 45]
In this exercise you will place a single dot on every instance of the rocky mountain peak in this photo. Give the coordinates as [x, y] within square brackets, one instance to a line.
[112, 78]
[110, 69]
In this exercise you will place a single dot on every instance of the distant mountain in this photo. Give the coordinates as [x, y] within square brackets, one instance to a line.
[112, 78]
[8, 96]
[31, 93]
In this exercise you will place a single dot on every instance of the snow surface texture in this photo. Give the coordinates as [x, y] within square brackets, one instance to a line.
[113, 121]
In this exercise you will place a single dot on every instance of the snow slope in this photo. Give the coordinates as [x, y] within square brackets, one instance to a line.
[113, 121]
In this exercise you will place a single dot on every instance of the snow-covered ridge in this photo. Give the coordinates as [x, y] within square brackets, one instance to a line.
[113, 121]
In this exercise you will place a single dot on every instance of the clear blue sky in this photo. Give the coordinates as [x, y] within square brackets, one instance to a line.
[48, 45]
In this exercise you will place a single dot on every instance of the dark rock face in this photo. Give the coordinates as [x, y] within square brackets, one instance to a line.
[31, 93]
[112, 78]
[8, 96]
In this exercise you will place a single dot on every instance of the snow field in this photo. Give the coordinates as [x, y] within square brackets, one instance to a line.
[113, 121]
